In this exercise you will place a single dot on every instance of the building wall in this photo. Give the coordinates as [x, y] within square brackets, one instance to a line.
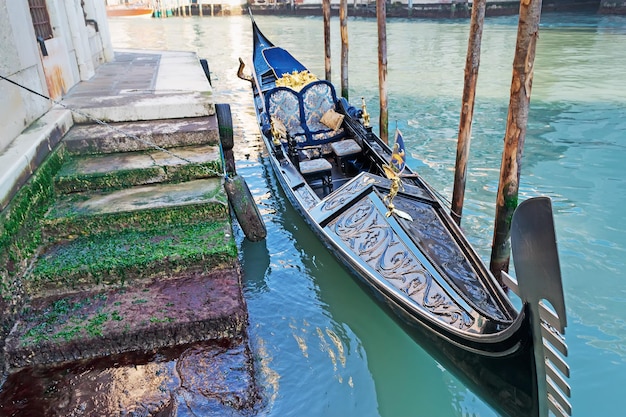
[74, 52]
[19, 61]
[613, 7]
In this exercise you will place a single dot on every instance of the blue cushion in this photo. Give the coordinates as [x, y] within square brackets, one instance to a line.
[284, 103]
[281, 61]
[301, 112]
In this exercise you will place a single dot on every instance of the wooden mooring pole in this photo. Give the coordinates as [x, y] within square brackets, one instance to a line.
[326, 13]
[517, 120]
[381, 17]
[472, 63]
[343, 21]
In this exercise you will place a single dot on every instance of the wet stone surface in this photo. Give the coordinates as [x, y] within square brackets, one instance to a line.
[203, 379]
[188, 308]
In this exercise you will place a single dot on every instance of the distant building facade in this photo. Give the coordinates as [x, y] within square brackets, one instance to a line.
[47, 46]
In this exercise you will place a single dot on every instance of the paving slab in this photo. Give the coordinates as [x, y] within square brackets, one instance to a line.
[137, 136]
[141, 85]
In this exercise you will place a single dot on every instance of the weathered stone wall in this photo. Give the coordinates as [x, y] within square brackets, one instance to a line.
[19, 61]
[422, 8]
[613, 7]
[80, 44]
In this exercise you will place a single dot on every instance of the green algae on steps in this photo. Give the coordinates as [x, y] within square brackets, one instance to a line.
[118, 258]
[117, 171]
[140, 208]
[20, 231]
[190, 307]
[70, 183]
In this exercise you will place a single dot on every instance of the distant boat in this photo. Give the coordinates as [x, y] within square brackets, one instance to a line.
[129, 11]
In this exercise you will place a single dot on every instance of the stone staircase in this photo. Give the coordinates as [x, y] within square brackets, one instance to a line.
[138, 251]
[119, 193]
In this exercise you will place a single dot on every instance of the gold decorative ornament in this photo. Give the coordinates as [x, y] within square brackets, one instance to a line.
[296, 80]
[366, 115]
[279, 131]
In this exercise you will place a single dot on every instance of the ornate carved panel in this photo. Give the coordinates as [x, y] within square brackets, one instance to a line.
[306, 197]
[435, 240]
[347, 193]
[366, 232]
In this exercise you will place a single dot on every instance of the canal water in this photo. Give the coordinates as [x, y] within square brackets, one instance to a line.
[323, 347]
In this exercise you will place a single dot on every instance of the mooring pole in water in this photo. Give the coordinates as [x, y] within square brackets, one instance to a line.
[381, 17]
[343, 21]
[517, 120]
[326, 12]
[472, 62]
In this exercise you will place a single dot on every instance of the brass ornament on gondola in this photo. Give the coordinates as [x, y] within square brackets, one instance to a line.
[296, 80]
[365, 115]
[393, 171]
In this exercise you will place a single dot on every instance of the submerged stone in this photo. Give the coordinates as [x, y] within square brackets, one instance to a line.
[208, 379]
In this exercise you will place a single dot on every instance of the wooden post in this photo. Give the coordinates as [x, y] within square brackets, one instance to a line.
[381, 17]
[521, 84]
[472, 62]
[343, 21]
[326, 12]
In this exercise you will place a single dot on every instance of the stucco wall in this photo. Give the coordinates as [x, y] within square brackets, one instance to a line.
[19, 61]
[74, 53]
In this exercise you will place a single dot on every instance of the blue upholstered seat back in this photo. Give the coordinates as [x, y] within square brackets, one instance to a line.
[284, 104]
[301, 112]
[317, 99]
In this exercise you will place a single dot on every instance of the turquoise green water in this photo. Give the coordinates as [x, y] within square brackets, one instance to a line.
[323, 346]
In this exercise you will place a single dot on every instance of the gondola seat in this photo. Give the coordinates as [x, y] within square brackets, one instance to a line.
[301, 112]
[345, 150]
[318, 169]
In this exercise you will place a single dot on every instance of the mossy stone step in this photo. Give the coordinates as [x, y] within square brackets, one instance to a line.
[139, 208]
[120, 170]
[185, 308]
[141, 135]
[120, 258]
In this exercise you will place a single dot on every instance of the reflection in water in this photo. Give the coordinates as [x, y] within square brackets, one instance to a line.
[188, 380]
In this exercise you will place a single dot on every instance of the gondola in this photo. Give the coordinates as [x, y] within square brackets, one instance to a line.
[390, 230]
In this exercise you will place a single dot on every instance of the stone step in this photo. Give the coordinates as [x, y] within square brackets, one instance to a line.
[128, 256]
[143, 86]
[183, 309]
[141, 135]
[139, 208]
[120, 170]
